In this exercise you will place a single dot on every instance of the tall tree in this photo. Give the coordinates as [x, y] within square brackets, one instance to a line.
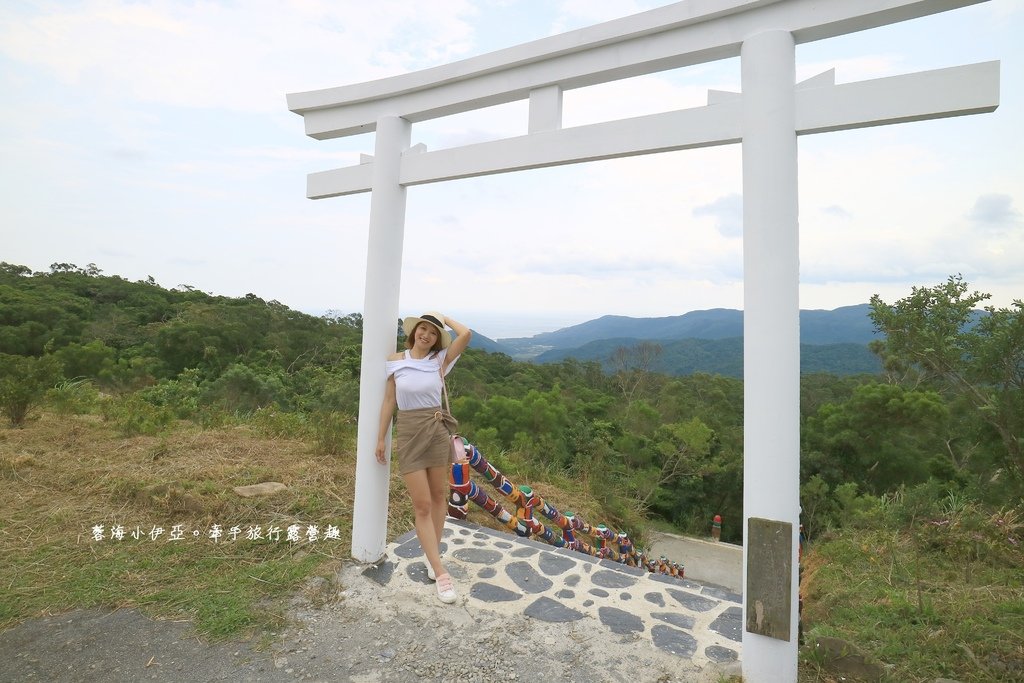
[633, 367]
[939, 333]
[882, 437]
[23, 383]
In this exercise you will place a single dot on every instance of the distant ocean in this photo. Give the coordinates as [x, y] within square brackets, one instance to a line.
[514, 325]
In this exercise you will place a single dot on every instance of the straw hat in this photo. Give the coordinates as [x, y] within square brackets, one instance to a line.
[432, 317]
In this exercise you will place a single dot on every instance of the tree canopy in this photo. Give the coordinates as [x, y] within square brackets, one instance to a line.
[939, 338]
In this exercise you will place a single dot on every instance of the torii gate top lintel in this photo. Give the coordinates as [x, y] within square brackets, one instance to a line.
[677, 35]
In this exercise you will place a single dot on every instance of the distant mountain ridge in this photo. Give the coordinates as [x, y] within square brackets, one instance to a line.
[847, 324]
[703, 341]
[479, 341]
[722, 356]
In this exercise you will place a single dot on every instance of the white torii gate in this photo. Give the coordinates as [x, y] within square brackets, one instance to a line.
[767, 117]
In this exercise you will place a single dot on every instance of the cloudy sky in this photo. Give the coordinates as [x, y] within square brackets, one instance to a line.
[152, 138]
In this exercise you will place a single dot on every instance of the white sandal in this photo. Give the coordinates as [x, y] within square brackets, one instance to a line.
[446, 589]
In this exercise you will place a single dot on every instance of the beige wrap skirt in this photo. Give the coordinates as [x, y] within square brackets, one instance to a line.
[423, 439]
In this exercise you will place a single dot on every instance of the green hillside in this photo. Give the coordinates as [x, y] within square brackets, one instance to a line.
[721, 356]
[847, 324]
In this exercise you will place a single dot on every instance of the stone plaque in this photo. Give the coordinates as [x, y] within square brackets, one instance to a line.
[769, 577]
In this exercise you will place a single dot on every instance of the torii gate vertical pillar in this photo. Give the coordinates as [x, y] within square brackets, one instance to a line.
[771, 346]
[380, 313]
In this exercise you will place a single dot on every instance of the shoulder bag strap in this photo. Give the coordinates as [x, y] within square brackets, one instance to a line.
[444, 389]
[450, 423]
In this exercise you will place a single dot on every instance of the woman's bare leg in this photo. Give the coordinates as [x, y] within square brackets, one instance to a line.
[418, 485]
[438, 481]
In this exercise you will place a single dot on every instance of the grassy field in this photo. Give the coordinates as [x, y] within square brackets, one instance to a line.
[939, 597]
[935, 598]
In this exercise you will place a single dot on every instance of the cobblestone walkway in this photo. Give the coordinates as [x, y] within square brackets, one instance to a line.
[698, 621]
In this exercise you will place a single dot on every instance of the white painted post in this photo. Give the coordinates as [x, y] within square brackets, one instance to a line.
[545, 109]
[380, 327]
[771, 320]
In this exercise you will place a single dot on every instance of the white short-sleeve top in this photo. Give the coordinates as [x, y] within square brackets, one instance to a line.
[418, 380]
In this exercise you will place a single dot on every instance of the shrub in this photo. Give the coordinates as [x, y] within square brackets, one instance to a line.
[273, 422]
[24, 381]
[334, 433]
[73, 397]
[317, 389]
[180, 395]
[241, 389]
[94, 360]
[133, 415]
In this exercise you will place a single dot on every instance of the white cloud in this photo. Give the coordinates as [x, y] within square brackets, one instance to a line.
[838, 211]
[577, 13]
[728, 211]
[995, 209]
[239, 56]
[1006, 10]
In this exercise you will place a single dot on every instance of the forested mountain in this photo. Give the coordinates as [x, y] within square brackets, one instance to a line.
[718, 323]
[705, 341]
[487, 344]
[238, 353]
[721, 356]
[844, 325]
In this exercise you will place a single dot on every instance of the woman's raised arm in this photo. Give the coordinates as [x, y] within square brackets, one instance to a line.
[460, 342]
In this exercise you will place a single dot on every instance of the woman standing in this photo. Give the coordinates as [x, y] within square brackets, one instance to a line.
[414, 385]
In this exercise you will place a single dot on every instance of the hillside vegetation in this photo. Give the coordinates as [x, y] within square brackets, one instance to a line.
[720, 356]
[131, 404]
[923, 585]
[847, 324]
[709, 341]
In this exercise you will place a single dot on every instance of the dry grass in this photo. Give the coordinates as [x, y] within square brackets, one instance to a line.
[63, 476]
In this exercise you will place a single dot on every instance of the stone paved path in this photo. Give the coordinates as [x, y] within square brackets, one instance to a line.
[497, 572]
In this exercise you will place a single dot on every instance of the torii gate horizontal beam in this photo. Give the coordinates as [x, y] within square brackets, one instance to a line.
[955, 91]
[677, 35]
